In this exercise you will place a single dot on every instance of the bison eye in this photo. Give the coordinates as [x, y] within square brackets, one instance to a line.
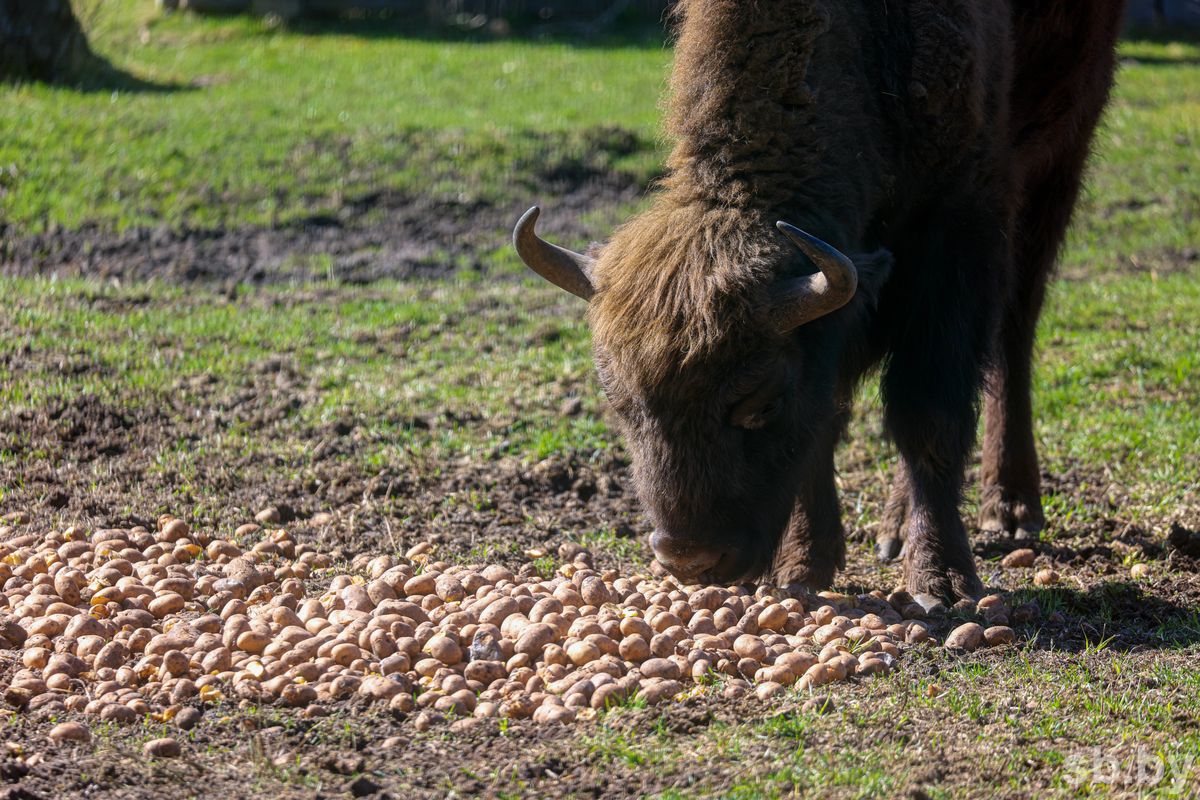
[756, 412]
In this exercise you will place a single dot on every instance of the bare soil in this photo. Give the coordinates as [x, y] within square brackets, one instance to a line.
[375, 236]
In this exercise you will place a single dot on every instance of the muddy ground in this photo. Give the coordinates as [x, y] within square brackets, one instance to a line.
[380, 235]
[84, 461]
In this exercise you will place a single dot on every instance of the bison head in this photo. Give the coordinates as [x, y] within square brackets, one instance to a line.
[717, 347]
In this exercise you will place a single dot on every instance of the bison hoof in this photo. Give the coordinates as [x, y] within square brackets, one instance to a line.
[1005, 512]
[934, 607]
[934, 588]
[888, 548]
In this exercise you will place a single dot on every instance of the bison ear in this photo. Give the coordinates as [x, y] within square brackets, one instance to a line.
[564, 268]
[874, 269]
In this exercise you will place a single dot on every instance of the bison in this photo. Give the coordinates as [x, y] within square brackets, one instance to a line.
[854, 184]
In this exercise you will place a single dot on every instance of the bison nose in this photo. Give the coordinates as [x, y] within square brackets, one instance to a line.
[686, 559]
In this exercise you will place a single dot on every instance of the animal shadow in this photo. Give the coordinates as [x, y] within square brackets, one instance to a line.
[1116, 615]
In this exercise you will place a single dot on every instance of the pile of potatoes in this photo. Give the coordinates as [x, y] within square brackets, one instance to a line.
[118, 623]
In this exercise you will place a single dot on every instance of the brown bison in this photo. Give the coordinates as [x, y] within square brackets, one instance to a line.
[935, 147]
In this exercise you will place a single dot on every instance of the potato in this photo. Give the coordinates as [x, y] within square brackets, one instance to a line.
[1046, 577]
[775, 674]
[966, 637]
[162, 748]
[444, 649]
[662, 668]
[252, 641]
[549, 714]
[773, 617]
[70, 732]
[998, 635]
[750, 646]
[766, 691]
[817, 675]
[583, 652]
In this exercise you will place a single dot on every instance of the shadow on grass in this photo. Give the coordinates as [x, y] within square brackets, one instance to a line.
[637, 32]
[99, 74]
[1162, 61]
[1117, 615]
[1166, 36]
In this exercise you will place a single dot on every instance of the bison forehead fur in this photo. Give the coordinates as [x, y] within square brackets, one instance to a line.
[678, 285]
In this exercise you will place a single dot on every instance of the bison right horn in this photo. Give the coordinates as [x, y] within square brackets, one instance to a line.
[563, 268]
[800, 300]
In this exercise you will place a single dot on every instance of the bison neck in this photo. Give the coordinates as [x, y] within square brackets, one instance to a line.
[771, 110]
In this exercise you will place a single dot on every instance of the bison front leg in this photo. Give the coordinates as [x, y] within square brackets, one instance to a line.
[941, 324]
[813, 548]
[934, 440]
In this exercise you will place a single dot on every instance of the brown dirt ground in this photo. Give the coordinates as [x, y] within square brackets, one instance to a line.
[376, 236]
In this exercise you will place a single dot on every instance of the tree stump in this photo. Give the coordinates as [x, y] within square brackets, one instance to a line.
[41, 41]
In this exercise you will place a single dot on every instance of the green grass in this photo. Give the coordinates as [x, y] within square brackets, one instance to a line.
[1119, 379]
[1116, 393]
[971, 731]
[1140, 207]
[262, 126]
[333, 343]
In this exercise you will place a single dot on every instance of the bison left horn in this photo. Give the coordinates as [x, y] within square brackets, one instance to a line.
[800, 300]
[563, 268]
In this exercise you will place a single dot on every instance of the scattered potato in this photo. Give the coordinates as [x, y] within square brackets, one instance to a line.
[1019, 559]
[998, 635]
[70, 732]
[1045, 577]
[967, 636]
[162, 748]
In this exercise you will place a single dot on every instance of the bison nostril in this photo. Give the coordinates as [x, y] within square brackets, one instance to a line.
[685, 558]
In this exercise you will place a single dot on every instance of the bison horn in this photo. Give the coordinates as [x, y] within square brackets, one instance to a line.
[800, 300]
[563, 268]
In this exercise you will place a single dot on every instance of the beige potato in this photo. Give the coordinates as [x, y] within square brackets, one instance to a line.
[659, 691]
[444, 649]
[583, 652]
[773, 617]
[252, 641]
[766, 691]
[162, 748]
[967, 636]
[1046, 577]
[72, 732]
[750, 646]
